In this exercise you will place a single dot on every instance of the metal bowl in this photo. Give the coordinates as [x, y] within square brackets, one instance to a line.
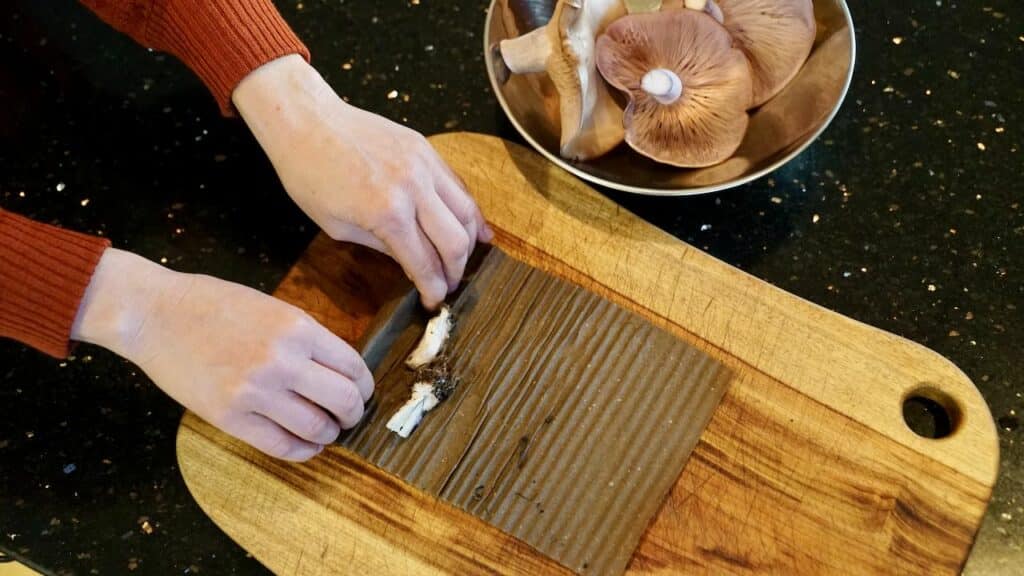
[779, 130]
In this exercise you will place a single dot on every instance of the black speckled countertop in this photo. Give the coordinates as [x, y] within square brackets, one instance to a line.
[906, 215]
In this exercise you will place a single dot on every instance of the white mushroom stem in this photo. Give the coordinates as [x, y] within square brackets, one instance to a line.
[708, 6]
[527, 53]
[663, 85]
[432, 341]
[411, 413]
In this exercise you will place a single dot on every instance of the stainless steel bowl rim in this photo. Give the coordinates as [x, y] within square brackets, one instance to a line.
[568, 166]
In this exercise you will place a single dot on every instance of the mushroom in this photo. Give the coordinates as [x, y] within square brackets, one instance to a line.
[688, 87]
[775, 35]
[433, 339]
[408, 417]
[433, 386]
[591, 120]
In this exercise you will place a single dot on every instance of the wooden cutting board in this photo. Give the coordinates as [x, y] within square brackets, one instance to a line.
[806, 467]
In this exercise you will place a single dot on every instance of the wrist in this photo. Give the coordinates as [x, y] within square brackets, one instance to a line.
[120, 297]
[278, 98]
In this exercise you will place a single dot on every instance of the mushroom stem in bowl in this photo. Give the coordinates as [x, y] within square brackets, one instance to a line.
[663, 85]
[590, 119]
[528, 53]
[433, 339]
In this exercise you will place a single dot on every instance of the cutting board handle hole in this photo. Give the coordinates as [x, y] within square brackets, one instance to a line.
[931, 413]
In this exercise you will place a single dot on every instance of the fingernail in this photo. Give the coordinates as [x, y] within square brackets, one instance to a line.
[488, 234]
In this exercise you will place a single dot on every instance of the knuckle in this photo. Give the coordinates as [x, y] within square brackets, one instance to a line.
[318, 425]
[348, 398]
[359, 367]
[354, 416]
[390, 218]
[299, 321]
[246, 395]
[280, 447]
[458, 250]
[427, 271]
[287, 377]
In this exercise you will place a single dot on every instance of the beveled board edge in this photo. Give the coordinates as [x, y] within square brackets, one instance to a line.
[840, 359]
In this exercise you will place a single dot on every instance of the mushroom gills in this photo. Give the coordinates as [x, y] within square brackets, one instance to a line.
[688, 87]
[776, 36]
[433, 339]
[409, 416]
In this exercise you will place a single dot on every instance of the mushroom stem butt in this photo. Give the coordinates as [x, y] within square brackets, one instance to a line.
[663, 85]
[528, 53]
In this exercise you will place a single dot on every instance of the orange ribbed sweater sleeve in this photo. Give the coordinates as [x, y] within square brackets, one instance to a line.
[220, 40]
[44, 271]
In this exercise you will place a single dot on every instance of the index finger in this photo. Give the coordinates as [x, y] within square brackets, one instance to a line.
[332, 352]
[454, 194]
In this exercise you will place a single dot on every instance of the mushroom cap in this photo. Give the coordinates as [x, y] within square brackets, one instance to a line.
[707, 122]
[591, 120]
[775, 35]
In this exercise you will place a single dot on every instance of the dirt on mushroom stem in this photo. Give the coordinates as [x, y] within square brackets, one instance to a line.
[440, 376]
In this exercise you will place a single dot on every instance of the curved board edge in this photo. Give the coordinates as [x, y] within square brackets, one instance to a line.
[720, 305]
[341, 515]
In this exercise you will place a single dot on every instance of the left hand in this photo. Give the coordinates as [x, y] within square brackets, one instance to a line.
[363, 178]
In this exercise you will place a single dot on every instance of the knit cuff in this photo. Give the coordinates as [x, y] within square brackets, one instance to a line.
[44, 271]
[222, 42]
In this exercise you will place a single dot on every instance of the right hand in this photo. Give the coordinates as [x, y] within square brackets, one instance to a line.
[361, 177]
[257, 368]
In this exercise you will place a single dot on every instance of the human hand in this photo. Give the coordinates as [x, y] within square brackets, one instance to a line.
[257, 368]
[361, 177]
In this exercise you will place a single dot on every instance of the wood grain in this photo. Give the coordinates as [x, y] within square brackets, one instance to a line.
[805, 468]
[554, 382]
